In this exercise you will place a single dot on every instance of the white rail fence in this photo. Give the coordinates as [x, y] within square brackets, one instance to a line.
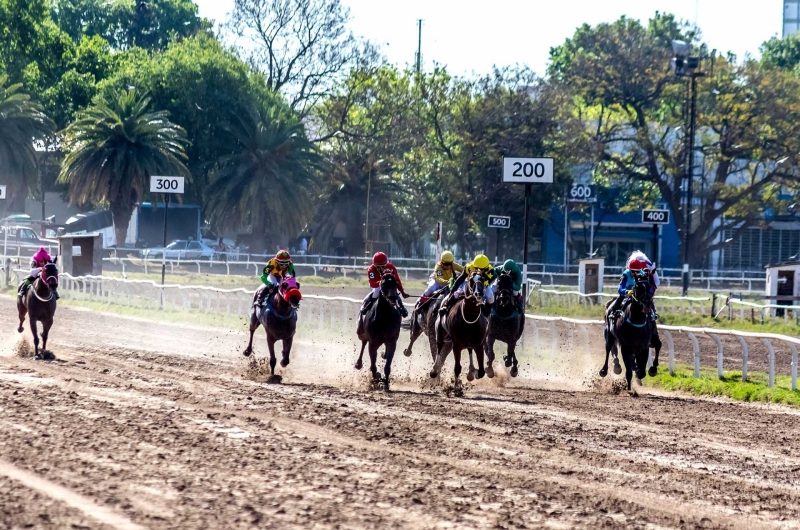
[338, 314]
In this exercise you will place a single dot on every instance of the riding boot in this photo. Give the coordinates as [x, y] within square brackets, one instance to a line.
[366, 304]
[24, 286]
[402, 307]
[421, 301]
[447, 303]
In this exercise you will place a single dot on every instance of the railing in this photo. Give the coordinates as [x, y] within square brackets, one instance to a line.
[682, 304]
[339, 313]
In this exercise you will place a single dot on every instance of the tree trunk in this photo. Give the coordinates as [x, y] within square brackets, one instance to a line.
[122, 218]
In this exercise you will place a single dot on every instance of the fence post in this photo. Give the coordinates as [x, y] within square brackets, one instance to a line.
[793, 347]
[745, 355]
[696, 354]
[771, 361]
[715, 338]
[671, 358]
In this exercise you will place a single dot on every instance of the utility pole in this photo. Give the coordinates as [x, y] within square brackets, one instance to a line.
[418, 58]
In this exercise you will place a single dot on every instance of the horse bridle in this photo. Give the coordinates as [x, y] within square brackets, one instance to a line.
[391, 299]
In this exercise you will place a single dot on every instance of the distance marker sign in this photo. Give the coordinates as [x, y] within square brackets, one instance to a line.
[499, 221]
[166, 184]
[655, 217]
[528, 170]
[2, 192]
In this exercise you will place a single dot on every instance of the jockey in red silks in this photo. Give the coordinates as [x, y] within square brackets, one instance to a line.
[380, 266]
[38, 261]
[638, 261]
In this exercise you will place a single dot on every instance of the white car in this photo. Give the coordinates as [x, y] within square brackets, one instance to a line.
[181, 249]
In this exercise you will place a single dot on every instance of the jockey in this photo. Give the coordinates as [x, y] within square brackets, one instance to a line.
[442, 274]
[458, 286]
[38, 261]
[638, 261]
[516, 276]
[276, 270]
[380, 266]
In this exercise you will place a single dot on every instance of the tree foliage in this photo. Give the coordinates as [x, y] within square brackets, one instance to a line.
[113, 148]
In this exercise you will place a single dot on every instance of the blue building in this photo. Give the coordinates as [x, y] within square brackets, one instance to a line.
[616, 235]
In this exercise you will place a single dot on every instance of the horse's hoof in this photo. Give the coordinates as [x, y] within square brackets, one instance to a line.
[633, 393]
[247, 353]
[509, 362]
[386, 385]
[603, 372]
[490, 371]
[514, 371]
[376, 376]
[359, 365]
[37, 357]
[639, 381]
[20, 329]
[285, 362]
[434, 374]
[653, 371]
[481, 374]
[407, 352]
[470, 375]
[274, 379]
[617, 369]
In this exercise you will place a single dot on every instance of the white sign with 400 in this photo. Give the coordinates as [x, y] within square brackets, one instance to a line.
[166, 184]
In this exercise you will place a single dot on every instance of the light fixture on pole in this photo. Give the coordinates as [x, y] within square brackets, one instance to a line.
[686, 65]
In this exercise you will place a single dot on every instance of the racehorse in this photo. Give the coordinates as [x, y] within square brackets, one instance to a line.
[632, 330]
[506, 324]
[380, 326]
[423, 320]
[39, 303]
[463, 327]
[279, 318]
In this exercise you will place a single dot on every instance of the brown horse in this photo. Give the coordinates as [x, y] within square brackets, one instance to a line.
[381, 327]
[279, 318]
[39, 303]
[463, 327]
[423, 320]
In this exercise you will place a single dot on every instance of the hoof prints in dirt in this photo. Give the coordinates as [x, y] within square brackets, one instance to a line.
[258, 370]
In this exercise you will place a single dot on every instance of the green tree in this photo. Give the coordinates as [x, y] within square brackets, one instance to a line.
[198, 82]
[781, 53]
[633, 107]
[113, 148]
[128, 23]
[267, 182]
[22, 123]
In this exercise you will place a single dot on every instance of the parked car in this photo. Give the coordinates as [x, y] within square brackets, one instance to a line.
[25, 236]
[181, 249]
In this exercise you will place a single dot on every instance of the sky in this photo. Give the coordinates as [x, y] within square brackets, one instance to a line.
[471, 37]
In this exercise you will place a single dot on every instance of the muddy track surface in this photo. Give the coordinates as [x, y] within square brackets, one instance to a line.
[141, 424]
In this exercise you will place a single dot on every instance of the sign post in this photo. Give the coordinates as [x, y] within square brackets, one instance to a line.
[656, 218]
[438, 240]
[527, 171]
[5, 235]
[168, 186]
[586, 193]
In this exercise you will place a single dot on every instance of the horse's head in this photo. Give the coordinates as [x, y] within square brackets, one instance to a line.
[505, 290]
[290, 291]
[49, 275]
[389, 287]
[641, 290]
[475, 287]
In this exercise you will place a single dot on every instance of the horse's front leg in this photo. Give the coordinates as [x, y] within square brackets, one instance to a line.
[630, 360]
[441, 354]
[360, 361]
[490, 340]
[457, 367]
[479, 352]
[46, 325]
[609, 340]
[387, 369]
[287, 349]
[254, 323]
[655, 342]
[471, 372]
[373, 361]
[272, 359]
[22, 310]
[35, 333]
[512, 353]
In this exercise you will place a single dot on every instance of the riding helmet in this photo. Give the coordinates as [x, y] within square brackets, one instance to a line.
[447, 257]
[283, 257]
[481, 261]
[380, 259]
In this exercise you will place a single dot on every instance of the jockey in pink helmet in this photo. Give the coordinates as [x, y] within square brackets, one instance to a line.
[38, 261]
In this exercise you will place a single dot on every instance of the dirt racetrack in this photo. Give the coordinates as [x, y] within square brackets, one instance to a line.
[141, 424]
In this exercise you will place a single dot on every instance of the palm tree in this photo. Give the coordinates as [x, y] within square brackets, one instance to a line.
[269, 179]
[22, 122]
[113, 148]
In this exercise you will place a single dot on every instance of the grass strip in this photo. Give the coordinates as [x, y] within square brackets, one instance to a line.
[756, 388]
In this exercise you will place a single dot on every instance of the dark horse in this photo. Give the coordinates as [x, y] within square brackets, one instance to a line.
[39, 303]
[463, 327]
[380, 326]
[506, 324]
[632, 329]
[279, 318]
[423, 320]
